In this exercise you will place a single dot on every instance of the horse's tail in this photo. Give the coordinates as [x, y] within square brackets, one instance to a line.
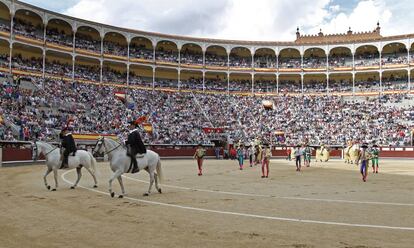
[159, 170]
[93, 163]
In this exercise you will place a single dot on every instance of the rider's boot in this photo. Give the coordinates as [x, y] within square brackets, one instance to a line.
[64, 163]
[135, 168]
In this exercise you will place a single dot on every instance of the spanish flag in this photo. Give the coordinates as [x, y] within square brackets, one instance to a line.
[148, 127]
[121, 95]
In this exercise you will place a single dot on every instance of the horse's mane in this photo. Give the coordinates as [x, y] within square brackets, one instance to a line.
[114, 142]
[46, 144]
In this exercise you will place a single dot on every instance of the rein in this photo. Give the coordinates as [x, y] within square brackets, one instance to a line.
[51, 151]
[106, 153]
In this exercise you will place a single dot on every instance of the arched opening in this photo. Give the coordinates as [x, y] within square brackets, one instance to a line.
[240, 57]
[340, 82]
[216, 56]
[314, 83]
[265, 58]
[265, 83]
[4, 53]
[191, 54]
[140, 76]
[412, 54]
[240, 82]
[115, 44]
[394, 54]
[166, 78]
[192, 80]
[87, 69]
[340, 58]
[28, 24]
[367, 82]
[114, 73]
[314, 58]
[366, 57]
[58, 64]
[4, 18]
[289, 60]
[27, 58]
[166, 51]
[141, 50]
[290, 83]
[59, 32]
[411, 79]
[88, 39]
[395, 80]
[216, 81]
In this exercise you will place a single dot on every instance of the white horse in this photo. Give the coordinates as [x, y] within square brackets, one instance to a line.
[53, 162]
[120, 163]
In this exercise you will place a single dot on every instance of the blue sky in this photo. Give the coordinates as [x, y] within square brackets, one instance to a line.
[242, 19]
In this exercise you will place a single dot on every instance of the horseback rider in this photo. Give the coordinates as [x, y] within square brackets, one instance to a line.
[135, 146]
[68, 146]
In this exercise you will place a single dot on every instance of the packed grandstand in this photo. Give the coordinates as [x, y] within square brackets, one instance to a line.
[326, 89]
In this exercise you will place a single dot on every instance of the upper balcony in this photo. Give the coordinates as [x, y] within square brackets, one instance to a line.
[319, 53]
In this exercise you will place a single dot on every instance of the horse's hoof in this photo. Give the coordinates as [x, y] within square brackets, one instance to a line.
[112, 194]
[53, 189]
[120, 196]
[95, 186]
[48, 187]
[146, 194]
[73, 187]
[159, 191]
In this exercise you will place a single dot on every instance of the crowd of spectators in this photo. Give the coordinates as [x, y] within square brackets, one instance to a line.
[179, 117]
[290, 63]
[191, 57]
[110, 75]
[115, 49]
[240, 62]
[140, 52]
[166, 56]
[57, 68]
[87, 42]
[26, 28]
[215, 60]
[53, 35]
[264, 61]
[314, 62]
[4, 25]
[33, 64]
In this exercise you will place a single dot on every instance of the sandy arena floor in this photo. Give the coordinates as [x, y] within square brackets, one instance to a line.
[326, 205]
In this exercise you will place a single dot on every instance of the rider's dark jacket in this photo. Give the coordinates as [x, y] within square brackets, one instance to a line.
[68, 143]
[135, 143]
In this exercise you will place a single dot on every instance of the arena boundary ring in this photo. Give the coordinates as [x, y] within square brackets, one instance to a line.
[275, 197]
[244, 214]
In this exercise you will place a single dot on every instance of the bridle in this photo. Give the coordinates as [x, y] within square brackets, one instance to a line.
[36, 149]
[101, 142]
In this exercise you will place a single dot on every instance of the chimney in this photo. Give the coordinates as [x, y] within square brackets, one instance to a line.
[349, 31]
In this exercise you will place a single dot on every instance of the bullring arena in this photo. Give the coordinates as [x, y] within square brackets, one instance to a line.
[324, 206]
[330, 93]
